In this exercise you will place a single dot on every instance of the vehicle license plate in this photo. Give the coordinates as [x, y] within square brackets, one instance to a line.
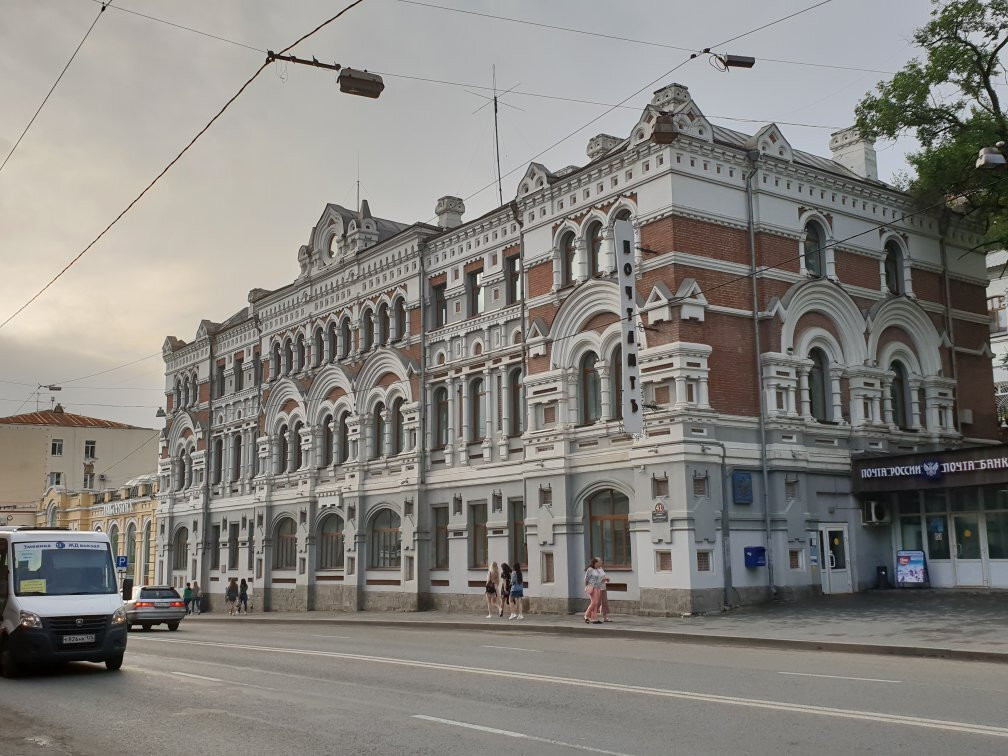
[161, 604]
[79, 638]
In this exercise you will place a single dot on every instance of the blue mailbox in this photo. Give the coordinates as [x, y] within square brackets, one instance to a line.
[755, 556]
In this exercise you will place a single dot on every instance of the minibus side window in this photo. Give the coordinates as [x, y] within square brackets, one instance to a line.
[4, 575]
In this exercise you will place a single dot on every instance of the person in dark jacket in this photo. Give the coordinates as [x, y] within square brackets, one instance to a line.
[505, 587]
[517, 591]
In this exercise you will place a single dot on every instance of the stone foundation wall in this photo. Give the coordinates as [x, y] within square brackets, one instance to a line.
[293, 599]
[333, 597]
[389, 601]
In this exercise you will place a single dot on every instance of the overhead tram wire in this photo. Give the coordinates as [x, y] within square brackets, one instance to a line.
[53, 87]
[174, 160]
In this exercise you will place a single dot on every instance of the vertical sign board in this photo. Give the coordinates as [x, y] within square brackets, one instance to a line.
[626, 266]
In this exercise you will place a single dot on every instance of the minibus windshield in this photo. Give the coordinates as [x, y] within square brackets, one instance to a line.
[63, 568]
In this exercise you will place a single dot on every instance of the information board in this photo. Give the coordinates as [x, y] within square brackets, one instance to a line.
[911, 568]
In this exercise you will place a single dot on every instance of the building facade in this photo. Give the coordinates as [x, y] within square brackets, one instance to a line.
[423, 400]
[997, 296]
[61, 450]
[128, 514]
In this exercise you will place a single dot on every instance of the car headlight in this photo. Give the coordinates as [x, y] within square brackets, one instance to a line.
[29, 619]
[119, 616]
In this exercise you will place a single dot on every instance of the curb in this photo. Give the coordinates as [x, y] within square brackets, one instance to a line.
[928, 652]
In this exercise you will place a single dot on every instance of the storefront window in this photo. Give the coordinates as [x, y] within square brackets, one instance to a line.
[910, 533]
[934, 502]
[937, 536]
[965, 499]
[909, 503]
[967, 536]
[997, 535]
[995, 498]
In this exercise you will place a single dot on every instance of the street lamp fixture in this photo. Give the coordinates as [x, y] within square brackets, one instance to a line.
[351, 80]
[991, 158]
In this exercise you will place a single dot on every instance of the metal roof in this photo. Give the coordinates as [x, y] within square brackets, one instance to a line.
[57, 417]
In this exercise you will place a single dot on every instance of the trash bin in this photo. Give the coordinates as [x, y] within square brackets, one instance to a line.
[882, 577]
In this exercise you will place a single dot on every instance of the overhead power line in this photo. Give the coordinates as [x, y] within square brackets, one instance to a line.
[53, 87]
[174, 160]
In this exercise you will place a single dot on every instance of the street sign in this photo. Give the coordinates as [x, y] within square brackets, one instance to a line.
[121, 562]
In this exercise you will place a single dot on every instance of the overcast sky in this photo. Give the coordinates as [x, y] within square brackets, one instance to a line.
[232, 214]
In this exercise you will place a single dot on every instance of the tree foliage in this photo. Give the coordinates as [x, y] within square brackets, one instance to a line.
[949, 100]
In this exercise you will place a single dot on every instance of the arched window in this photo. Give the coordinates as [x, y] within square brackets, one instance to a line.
[343, 450]
[326, 458]
[131, 546]
[440, 417]
[400, 318]
[300, 354]
[218, 461]
[318, 347]
[898, 390]
[346, 339]
[814, 252]
[516, 406]
[386, 541]
[623, 214]
[180, 549]
[185, 392]
[398, 427]
[818, 383]
[383, 324]
[367, 330]
[178, 394]
[296, 444]
[283, 449]
[113, 534]
[147, 571]
[378, 431]
[53, 517]
[589, 390]
[236, 457]
[477, 418]
[285, 545]
[331, 337]
[616, 383]
[330, 544]
[276, 367]
[608, 526]
[893, 267]
[595, 249]
[288, 357]
[567, 259]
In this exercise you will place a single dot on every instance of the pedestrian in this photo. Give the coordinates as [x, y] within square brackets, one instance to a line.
[231, 595]
[493, 579]
[592, 581]
[187, 597]
[517, 591]
[197, 597]
[505, 587]
[603, 593]
[243, 596]
[251, 601]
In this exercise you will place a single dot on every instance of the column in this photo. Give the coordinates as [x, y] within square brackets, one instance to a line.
[704, 393]
[603, 370]
[887, 404]
[791, 390]
[915, 408]
[836, 396]
[608, 261]
[490, 408]
[452, 422]
[557, 268]
[581, 260]
[293, 441]
[386, 439]
[428, 398]
[680, 391]
[803, 391]
[505, 389]
[464, 439]
[876, 408]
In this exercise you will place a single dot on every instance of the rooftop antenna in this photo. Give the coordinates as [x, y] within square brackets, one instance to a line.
[358, 184]
[494, 100]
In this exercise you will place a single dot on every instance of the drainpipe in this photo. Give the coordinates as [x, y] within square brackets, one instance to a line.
[524, 360]
[725, 517]
[943, 224]
[207, 460]
[753, 156]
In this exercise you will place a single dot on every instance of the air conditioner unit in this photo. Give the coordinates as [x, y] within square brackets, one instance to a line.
[875, 512]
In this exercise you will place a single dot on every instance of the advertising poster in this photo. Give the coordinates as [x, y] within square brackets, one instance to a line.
[910, 568]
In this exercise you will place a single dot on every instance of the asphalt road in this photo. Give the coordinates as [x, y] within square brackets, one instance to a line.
[258, 689]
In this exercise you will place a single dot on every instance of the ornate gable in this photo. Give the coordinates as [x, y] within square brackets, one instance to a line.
[770, 141]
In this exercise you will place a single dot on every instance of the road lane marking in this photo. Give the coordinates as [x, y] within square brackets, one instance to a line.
[840, 677]
[515, 648]
[512, 734]
[198, 677]
[172, 673]
[343, 637]
[794, 708]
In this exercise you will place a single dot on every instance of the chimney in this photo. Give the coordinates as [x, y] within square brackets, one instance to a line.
[58, 409]
[449, 212]
[855, 152]
[601, 144]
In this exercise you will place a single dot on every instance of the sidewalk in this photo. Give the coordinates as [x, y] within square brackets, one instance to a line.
[944, 624]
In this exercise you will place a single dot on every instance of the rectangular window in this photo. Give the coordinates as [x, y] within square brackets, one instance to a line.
[795, 559]
[90, 449]
[476, 293]
[238, 373]
[663, 561]
[57, 447]
[519, 545]
[512, 280]
[911, 535]
[251, 546]
[88, 481]
[703, 561]
[440, 305]
[55, 479]
[997, 535]
[998, 318]
[233, 546]
[700, 487]
[659, 486]
[219, 382]
[215, 548]
[478, 537]
[547, 567]
[440, 538]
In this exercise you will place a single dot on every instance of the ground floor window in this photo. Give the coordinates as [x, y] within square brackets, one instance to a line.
[386, 541]
[609, 531]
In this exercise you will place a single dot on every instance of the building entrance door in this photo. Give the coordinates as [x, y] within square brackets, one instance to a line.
[967, 549]
[835, 549]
